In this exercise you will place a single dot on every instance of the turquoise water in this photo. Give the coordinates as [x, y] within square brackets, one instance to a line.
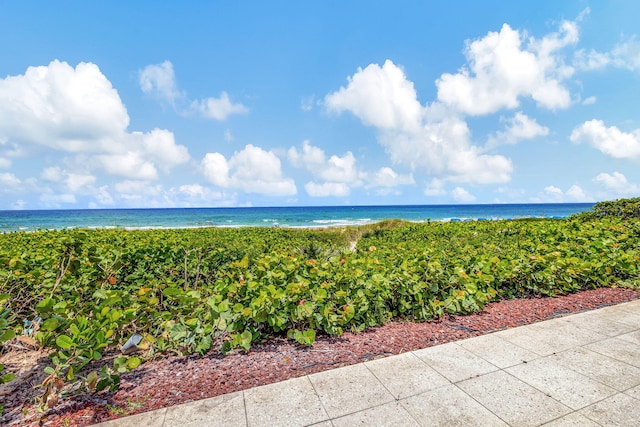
[316, 216]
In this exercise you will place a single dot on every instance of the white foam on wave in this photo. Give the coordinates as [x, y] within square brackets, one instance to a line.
[339, 222]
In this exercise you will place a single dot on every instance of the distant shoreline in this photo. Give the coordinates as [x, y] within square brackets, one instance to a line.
[314, 217]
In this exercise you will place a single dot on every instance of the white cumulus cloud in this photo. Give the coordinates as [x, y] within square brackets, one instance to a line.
[507, 65]
[73, 181]
[554, 194]
[379, 96]
[334, 169]
[461, 195]
[103, 196]
[625, 55]
[195, 191]
[9, 182]
[53, 174]
[75, 111]
[591, 60]
[518, 128]
[196, 195]
[145, 194]
[218, 108]
[216, 169]
[435, 188]
[617, 183]
[131, 165]
[159, 80]
[139, 193]
[252, 170]
[340, 173]
[387, 177]
[137, 187]
[433, 140]
[61, 107]
[160, 145]
[577, 194]
[609, 140]
[327, 189]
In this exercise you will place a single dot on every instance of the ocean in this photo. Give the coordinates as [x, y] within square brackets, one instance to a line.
[314, 216]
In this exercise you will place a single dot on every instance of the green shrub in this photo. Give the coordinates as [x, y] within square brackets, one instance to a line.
[622, 208]
[190, 291]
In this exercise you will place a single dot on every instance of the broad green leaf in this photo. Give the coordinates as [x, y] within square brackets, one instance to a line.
[245, 338]
[6, 335]
[45, 306]
[133, 362]
[70, 373]
[64, 342]
[7, 378]
[92, 380]
[50, 324]
[100, 294]
[171, 292]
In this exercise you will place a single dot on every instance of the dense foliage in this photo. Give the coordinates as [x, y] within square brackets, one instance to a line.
[623, 208]
[81, 292]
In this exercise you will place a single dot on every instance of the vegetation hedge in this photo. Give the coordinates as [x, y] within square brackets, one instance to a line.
[83, 292]
[622, 208]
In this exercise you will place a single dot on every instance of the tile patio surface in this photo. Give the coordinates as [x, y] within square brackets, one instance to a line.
[578, 370]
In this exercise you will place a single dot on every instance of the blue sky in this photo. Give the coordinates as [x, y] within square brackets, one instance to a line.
[252, 103]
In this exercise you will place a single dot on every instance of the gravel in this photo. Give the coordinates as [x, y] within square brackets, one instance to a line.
[174, 380]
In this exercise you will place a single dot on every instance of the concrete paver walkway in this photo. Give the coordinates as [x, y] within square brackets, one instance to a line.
[578, 370]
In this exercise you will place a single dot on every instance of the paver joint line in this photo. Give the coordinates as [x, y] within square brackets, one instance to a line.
[480, 403]
[318, 395]
[244, 405]
[380, 381]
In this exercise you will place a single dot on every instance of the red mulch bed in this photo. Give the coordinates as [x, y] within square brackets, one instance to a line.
[175, 380]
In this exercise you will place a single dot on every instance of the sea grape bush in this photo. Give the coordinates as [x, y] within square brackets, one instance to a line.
[190, 291]
[623, 208]
[6, 334]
